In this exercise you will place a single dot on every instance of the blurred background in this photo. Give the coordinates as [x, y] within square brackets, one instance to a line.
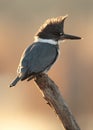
[23, 107]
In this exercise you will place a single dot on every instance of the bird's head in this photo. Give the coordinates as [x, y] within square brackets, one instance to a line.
[54, 29]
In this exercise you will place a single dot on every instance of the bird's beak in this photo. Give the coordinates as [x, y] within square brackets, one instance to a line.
[71, 37]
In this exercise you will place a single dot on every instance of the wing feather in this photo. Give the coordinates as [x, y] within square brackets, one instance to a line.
[37, 58]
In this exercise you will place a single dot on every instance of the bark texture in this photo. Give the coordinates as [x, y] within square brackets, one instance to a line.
[54, 98]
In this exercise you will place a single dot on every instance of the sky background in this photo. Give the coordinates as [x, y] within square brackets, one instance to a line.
[23, 107]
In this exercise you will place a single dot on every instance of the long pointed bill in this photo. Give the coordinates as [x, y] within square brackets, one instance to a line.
[67, 36]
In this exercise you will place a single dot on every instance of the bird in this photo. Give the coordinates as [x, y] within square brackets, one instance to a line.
[43, 52]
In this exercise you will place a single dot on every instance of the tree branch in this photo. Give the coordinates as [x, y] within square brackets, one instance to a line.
[54, 98]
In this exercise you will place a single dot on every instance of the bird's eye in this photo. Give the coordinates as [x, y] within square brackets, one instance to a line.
[61, 34]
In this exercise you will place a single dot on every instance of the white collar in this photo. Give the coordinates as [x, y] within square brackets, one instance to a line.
[53, 42]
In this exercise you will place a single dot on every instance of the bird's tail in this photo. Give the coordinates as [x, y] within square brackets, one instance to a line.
[15, 81]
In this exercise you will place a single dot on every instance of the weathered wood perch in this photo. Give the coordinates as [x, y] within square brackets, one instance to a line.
[54, 98]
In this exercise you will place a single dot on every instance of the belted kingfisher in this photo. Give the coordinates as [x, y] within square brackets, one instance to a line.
[42, 54]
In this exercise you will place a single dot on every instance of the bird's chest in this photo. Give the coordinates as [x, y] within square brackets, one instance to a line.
[58, 51]
[55, 53]
[58, 54]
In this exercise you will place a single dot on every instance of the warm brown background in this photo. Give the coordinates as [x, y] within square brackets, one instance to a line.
[22, 107]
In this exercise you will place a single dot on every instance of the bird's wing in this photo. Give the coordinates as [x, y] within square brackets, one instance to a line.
[37, 58]
[23, 64]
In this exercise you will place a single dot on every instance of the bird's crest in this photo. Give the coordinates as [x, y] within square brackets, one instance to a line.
[52, 21]
[56, 20]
